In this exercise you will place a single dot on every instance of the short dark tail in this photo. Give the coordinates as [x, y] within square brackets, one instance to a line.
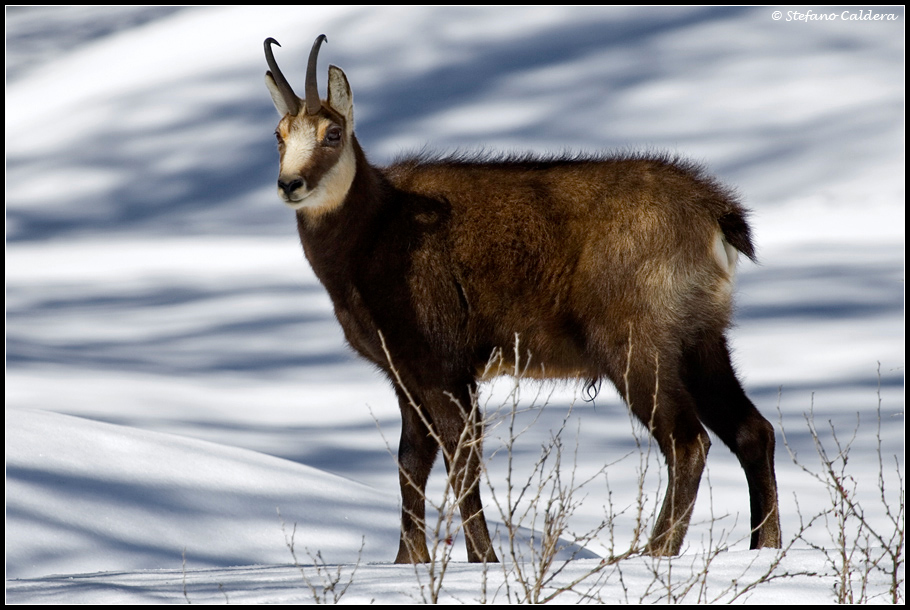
[737, 232]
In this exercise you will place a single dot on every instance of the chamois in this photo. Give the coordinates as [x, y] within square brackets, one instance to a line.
[606, 266]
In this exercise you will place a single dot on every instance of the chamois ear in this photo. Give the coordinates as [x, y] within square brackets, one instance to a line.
[340, 97]
[277, 96]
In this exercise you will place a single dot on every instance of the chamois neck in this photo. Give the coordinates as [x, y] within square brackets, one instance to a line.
[330, 239]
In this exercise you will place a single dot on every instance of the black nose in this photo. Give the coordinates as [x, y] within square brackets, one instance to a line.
[290, 187]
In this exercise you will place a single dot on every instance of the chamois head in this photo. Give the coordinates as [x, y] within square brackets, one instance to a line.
[317, 162]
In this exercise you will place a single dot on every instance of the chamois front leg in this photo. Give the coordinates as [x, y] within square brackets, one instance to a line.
[441, 418]
[461, 432]
[416, 453]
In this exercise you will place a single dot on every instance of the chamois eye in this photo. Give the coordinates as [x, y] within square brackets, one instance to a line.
[332, 136]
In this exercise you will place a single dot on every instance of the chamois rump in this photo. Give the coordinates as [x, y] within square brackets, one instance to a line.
[617, 267]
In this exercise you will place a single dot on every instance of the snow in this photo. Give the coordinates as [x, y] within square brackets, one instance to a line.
[175, 376]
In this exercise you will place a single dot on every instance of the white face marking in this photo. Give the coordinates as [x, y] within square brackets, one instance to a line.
[298, 152]
[301, 143]
[332, 187]
[335, 184]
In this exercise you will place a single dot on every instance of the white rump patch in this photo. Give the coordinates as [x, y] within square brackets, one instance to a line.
[725, 254]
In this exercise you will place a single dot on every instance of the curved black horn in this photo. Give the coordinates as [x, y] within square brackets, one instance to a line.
[312, 93]
[290, 98]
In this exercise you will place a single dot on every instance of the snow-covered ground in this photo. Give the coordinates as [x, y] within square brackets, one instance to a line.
[175, 376]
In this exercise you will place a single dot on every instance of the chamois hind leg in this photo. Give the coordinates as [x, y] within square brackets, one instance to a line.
[416, 453]
[726, 410]
[658, 398]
